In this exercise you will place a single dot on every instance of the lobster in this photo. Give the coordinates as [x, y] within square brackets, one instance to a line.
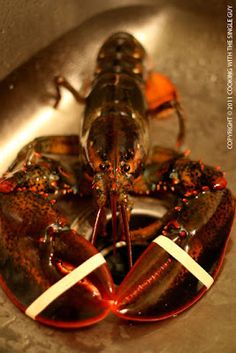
[57, 276]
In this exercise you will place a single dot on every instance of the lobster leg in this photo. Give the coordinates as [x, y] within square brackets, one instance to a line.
[151, 183]
[39, 167]
[162, 98]
[171, 175]
[54, 145]
[61, 81]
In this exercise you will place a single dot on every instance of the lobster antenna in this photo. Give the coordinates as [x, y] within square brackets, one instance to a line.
[114, 220]
[96, 225]
[127, 233]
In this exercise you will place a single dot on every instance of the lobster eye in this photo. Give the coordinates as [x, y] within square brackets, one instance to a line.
[126, 168]
[104, 156]
[128, 155]
[103, 166]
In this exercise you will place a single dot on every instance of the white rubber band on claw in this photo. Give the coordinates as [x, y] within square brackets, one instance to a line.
[185, 259]
[64, 284]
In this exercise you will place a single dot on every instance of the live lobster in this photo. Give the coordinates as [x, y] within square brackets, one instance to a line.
[58, 277]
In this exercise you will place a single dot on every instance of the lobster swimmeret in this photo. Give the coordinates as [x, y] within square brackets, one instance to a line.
[57, 276]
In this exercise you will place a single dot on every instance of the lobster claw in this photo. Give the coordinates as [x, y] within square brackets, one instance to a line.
[159, 285]
[83, 296]
[50, 272]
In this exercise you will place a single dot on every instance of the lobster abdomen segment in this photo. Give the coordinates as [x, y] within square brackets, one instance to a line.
[159, 286]
[121, 54]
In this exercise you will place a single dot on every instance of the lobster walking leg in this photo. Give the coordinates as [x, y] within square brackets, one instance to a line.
[152, 183]
[38, 168]
[162, 98]
[61, 81]
[56, 144]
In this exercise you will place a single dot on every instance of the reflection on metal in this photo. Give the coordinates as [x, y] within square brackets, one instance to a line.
[8, 152]
[106, 251]
[148, 209]
[40, 123]
[153, 31]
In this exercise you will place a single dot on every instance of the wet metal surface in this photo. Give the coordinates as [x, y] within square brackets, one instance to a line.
[187, 43]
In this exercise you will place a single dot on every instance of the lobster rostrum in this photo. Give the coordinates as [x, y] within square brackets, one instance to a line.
[59, 277]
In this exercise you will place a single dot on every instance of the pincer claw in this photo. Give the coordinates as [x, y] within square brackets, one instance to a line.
[51, 273]
[174, 271]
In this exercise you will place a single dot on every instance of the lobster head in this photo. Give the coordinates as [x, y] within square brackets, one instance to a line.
[116, 148]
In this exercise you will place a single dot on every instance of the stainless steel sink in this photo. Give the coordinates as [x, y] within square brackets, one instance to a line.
[187, 43]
